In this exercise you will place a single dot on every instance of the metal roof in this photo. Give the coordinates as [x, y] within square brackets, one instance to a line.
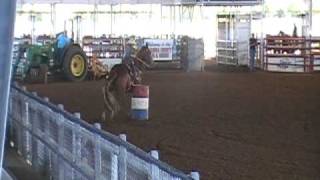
[164, 2]
[101, 2]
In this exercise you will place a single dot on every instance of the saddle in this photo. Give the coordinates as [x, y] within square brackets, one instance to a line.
[134, 73]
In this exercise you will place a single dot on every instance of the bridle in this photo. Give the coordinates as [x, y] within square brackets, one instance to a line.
[140, 60]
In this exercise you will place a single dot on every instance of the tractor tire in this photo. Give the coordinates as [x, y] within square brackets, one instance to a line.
[75, 65]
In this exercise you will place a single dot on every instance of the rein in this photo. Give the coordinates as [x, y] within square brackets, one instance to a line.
[140, 60]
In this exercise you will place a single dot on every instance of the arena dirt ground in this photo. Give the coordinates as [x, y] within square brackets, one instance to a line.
[226, 123]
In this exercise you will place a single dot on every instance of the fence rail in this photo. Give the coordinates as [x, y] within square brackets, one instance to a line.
[60, 145]
[291, 54]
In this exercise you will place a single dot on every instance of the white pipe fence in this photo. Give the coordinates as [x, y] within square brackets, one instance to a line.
[60, 145]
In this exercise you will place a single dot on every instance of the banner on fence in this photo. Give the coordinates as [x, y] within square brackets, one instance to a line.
[161, 49]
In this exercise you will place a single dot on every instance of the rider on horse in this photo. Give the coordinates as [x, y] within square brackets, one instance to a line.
[128, 60]
[122, 76]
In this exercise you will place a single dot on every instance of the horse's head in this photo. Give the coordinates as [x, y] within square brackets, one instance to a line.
[145, 55]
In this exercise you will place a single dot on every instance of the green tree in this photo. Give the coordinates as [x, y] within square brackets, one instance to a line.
[266, 9]
[293, 10]
[280, 13]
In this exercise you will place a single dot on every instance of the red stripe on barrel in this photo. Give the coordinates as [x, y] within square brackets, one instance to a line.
[140, 91]
[140, 102]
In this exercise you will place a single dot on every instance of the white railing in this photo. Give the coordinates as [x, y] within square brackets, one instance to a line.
[60, 145]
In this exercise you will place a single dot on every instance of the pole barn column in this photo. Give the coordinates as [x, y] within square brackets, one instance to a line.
[308, 18]
[310, 14]
[7, 19]
[53, 18]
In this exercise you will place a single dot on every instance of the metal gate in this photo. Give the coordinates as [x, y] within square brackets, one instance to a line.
[233, 39]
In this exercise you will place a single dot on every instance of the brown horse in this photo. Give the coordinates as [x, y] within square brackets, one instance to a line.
[120, 80]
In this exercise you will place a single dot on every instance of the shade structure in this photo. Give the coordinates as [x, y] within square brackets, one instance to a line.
[163, 2]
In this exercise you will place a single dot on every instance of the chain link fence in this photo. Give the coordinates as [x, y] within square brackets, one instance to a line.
[60, 145]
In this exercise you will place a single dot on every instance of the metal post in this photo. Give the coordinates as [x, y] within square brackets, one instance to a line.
[35, 155]
[18, 117]
[65, 26]
[78, 22]
[33, 29]
[180, 13]
[95, 19]
[308, 19]
[161, 13]
[155, 173]
[171, 22]
[114, 167]
[195, 175]
[174, 19]
[72, 28]
[111, 19]
[61, 142]
[28, 137]
[47, 150]
[310, 16]
[122, 160]
[76, 144]
[53, 18]
[97, 153]
[7, 19]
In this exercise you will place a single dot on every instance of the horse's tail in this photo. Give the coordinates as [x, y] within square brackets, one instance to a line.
[109, 99]
[106, 89]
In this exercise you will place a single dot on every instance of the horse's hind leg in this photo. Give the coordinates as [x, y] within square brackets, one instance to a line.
[113, 104]
[110, 100]
[108, 110]
[108, 104]
[122, 104]
[116, 105]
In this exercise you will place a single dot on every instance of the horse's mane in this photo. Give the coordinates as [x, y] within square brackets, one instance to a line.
[142, 50]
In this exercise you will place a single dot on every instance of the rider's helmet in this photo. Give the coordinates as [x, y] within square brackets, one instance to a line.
[132, 42]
